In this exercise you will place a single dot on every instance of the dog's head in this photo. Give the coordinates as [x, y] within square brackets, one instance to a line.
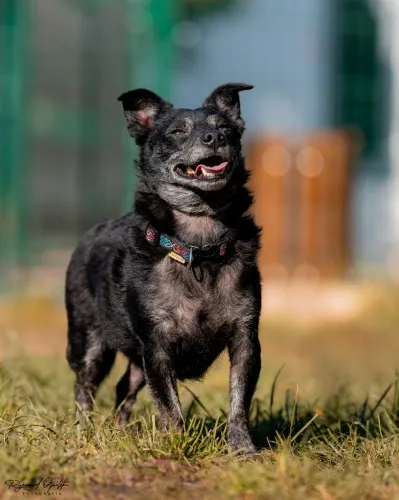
[191, 149]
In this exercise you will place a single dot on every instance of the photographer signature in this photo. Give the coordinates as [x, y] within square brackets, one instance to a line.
[48, 485]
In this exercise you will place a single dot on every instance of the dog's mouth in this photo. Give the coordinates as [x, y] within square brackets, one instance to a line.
[209, 168]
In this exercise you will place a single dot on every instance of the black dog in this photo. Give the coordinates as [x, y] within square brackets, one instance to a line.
[175, 282]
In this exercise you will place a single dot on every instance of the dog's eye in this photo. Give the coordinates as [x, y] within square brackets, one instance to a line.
[224, 130]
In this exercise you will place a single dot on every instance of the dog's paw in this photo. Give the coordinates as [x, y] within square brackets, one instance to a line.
[240, 442]
[121, 418]
[168, 425]
[243, 449]
[83, 420]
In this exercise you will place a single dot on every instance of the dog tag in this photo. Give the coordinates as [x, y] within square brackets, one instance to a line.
[176, 256]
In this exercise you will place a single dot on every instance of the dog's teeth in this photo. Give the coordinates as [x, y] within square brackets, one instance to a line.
[190, 171]
[208, 174]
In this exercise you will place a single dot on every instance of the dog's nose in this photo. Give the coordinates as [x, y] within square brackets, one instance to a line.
[213, 139]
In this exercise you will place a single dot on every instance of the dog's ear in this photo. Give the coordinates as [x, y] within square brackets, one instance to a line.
[142, 108]
[226, 99]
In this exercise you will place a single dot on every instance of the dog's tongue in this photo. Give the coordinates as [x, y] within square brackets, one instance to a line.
[216, 169]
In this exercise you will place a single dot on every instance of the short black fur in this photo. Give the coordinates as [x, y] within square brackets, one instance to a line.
[124, 294]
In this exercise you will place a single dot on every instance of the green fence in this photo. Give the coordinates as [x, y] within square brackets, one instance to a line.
[360, 76]
[65, 158]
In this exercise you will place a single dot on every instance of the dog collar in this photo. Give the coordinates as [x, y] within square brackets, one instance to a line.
[187, 254]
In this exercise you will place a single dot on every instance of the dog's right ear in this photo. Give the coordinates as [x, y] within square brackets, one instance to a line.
[142, 108]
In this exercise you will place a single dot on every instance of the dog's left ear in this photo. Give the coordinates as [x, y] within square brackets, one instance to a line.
[226, 99]
[142, 108]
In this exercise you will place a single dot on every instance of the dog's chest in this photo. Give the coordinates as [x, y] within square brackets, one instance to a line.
[194, 305]
[194, 319]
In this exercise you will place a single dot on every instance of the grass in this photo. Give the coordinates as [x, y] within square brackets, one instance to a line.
[325, 419]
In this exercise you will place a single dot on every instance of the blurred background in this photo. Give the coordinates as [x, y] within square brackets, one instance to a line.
[322, 143]
[322, 134]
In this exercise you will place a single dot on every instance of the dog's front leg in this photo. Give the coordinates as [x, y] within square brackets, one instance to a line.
[163, 387]
[244, 352]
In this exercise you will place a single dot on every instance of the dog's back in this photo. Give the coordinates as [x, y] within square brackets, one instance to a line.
[86, 272]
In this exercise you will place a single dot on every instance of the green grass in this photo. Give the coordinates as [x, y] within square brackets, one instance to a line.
[344, 450]
[327, 424]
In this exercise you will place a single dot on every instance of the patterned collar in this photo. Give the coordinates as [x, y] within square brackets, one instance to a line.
[187, 254]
